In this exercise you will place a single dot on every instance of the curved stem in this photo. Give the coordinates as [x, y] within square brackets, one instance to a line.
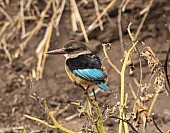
[39, 121]
[108, 59]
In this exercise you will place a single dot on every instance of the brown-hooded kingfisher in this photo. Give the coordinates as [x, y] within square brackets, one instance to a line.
[82, 67]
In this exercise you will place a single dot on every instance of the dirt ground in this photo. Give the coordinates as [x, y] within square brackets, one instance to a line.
[16, 84]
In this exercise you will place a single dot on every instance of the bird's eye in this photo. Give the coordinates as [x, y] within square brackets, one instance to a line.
[93, 56]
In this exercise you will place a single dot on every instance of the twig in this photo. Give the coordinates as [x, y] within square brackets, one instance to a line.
[27, 6]
[94, 94]
[36, 98]
[22, 17]
[2, 3]
[6, 14]
[74, 21]
[108, 59]
[57, 21]
[141, 72]
[69, 118]
[124, 6]
[166, 71]
[98, 13]
[153, 103]
[4, 28]
[138, 54]
[39, 121]
[91, 27]
[132, 90]
[24, 130]
[136, 83]
[124, 120]
[4, 46]
[80, 20]
[153, 119]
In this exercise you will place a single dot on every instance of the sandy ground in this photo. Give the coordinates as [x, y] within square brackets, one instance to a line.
[57, 89]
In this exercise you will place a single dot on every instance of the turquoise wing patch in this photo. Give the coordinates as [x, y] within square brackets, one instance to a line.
[90, 74]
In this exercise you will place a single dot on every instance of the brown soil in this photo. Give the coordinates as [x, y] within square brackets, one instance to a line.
[16, 85]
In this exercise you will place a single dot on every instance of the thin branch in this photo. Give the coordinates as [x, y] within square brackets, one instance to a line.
[115, 117]
[98, 13]
[153, 103]
[166, 71]
[132, 91]
[3, 28]
[153, 118]
[124, 6]
[6, 14]
[39, 121]
[108, 59]
[22, 17]
[57, 21]
[4, 46]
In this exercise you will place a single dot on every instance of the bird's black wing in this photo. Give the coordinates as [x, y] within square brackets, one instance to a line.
[87, 66]
[85, 61]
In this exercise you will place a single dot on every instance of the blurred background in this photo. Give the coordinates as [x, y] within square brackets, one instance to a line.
[29, 28]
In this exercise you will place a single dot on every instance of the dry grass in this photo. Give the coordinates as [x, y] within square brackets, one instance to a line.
[49, 18]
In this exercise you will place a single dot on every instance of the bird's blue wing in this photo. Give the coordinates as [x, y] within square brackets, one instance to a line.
[90, 74]
[103, 86]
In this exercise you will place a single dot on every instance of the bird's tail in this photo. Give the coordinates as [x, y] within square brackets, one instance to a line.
[103, 87]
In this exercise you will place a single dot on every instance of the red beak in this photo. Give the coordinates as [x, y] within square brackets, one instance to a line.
[57, 51]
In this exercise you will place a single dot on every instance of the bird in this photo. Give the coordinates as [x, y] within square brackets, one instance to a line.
[82, 67]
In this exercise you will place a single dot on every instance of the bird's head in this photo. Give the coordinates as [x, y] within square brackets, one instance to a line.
[71, 49]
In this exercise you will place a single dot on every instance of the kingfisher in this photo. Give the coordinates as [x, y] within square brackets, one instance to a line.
[82, 67]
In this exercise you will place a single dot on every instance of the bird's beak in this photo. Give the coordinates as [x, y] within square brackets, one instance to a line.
[57, 51]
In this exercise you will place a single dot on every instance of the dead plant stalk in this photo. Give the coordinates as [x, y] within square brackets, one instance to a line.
[122, 99]
[38, 26]
[73, 2]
